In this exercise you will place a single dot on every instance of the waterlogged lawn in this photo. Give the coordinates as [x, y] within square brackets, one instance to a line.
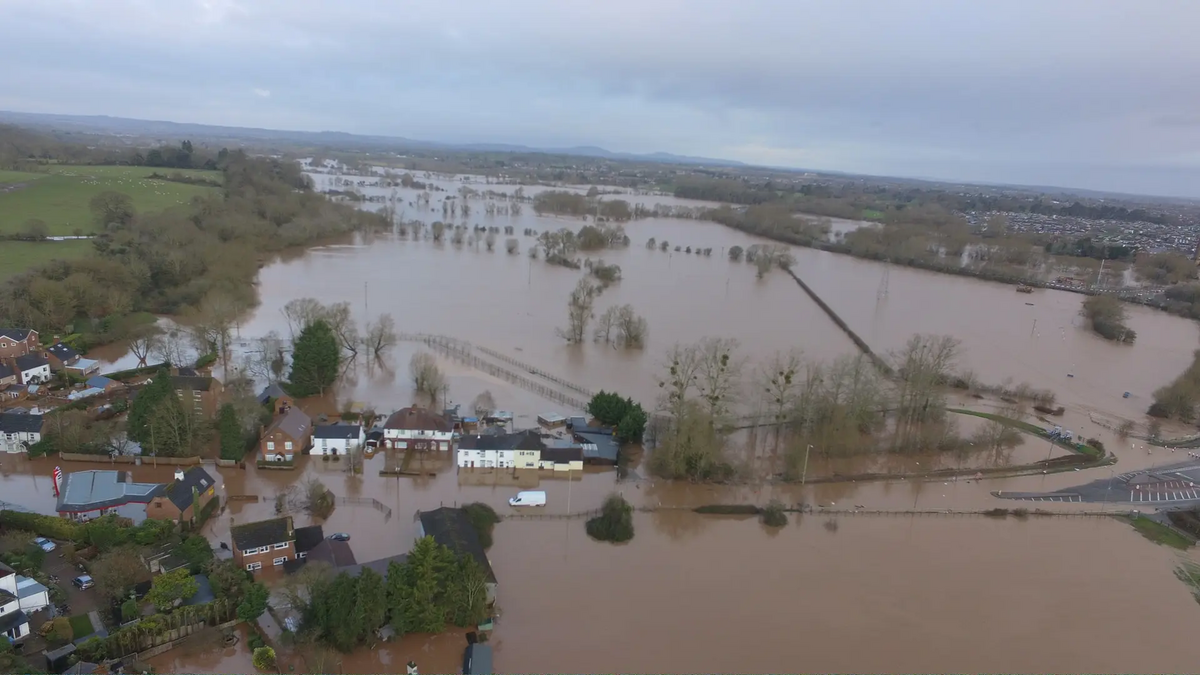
[1159, 533]
[60, 197]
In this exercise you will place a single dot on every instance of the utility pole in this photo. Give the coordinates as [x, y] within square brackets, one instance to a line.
[804, 473]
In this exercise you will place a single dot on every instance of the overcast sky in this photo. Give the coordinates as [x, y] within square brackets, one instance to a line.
[1084, 93]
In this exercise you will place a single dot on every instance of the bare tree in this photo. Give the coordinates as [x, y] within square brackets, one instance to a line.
[512, 246]
[632, 329]
[923, 366]
[381, 335]
[579, 310]
[338, 317]
[300, 313]
[142, 343]
[427, 377]
[718, 375]
[490, 241]
[606, 324]
[778, 381]
[679, 380]
[171, 347]
[483, 404]
[265, 360]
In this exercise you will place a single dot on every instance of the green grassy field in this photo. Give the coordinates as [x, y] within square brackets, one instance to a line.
[18, 256]
[60, 197]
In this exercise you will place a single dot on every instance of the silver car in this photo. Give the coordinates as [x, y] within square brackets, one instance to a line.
[45, 544]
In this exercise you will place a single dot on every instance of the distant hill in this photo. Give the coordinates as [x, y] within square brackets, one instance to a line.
[123, 126]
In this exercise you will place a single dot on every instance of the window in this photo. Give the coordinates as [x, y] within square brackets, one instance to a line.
[287, 445]
[270, 445]
[403, 445]
[279, 546]
[302, 554]
[279, 561]
[253, 566]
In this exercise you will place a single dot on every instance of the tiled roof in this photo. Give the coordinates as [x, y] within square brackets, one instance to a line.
[62, 352]
[31, 361]
[417, 419]
[180, 491]
[345, 431]
[84, 491]
[15, 423]
[451, 528]
[307, 538]
[262, 533]
[191, 382]
[294, 423]
[521, 440]
[18, 334]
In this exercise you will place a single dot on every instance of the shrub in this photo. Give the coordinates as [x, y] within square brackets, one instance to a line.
[264, 658]
[129, 610]
[52, 527]
[615, 522]
[255, 642]
[773, 515]
[483, 518]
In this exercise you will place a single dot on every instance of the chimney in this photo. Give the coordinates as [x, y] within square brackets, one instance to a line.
[178, 474]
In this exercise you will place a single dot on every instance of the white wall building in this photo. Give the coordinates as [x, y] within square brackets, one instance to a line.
[418, 429]
[337, 439]
[18, 431]
[32, 596]
[522, 450]
[32, 368]
[14, 624]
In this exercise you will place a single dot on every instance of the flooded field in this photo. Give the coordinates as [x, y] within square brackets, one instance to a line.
[694, 594]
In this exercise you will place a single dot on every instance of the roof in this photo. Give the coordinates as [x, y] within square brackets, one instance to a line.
[346, 431]
[577, 422]
[180, 491]
[307, 538]
[99, 382]
[204, 591]
[15, 423]
[84, 491]
[294, 423]
[563, 455]
[27, 587]
[62, 352]
[418, 419]
[6, 597]
[552, 418]
[82, 668]
[477, 660]
[451, 528]
[262, 533]
[191, 382]
[598, 445]
[12, 620]
[521, 440]
[336, 553]
[5, 570]
[379, 566]
[6, 371]
[83, 364]
[271, 391]
[18, 334]
[31, 361]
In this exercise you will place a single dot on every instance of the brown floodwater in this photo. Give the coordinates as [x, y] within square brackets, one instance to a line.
[693, 594]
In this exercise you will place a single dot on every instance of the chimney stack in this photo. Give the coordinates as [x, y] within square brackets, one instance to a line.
[178, 474]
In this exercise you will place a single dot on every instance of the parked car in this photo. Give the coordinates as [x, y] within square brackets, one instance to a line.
[528, 498]
[83, 582]
[45, 544]
[340, 536]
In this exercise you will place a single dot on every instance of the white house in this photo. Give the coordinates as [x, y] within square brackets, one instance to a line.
[14, 624]
[337, 439]
[32, 368]
[522, 450]
[31, 595]
[18, 431]
[418, 429]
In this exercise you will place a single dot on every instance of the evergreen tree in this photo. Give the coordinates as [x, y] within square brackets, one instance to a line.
[315, 360]
[372, 600]
[230, 433]
[422, 603]
[145, 404]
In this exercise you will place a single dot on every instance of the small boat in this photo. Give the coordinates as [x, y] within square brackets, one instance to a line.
[1029, 303]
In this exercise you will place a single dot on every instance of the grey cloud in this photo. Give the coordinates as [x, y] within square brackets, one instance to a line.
[1066, 91]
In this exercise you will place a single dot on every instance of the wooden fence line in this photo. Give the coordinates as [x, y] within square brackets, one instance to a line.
[369, 501]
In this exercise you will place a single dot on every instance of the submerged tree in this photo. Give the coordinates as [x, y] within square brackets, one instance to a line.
[579, 311]
[426, 376]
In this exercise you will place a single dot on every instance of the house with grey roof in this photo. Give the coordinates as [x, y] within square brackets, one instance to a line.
[289, 435]
[63, 357]
[337, 439]
[18, 431]
[32, 368]
[89, 494]
[16, 342]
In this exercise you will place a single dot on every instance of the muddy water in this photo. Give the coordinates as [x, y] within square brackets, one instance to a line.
[808, 599]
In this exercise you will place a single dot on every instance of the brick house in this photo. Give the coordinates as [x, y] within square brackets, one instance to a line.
[418, 429]
[289, 435]
[266, 542]
[199, 393]
[16, 342]
[176, 502]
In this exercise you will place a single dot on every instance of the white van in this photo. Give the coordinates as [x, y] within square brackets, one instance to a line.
[532, 498]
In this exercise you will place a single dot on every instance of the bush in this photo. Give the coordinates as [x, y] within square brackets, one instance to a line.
[51, 527]
[773, 515]
[206, 360]
[729, 509]
[483, 518]
[255, 642]
[129, 610]
[264, 658]
[615, 522]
